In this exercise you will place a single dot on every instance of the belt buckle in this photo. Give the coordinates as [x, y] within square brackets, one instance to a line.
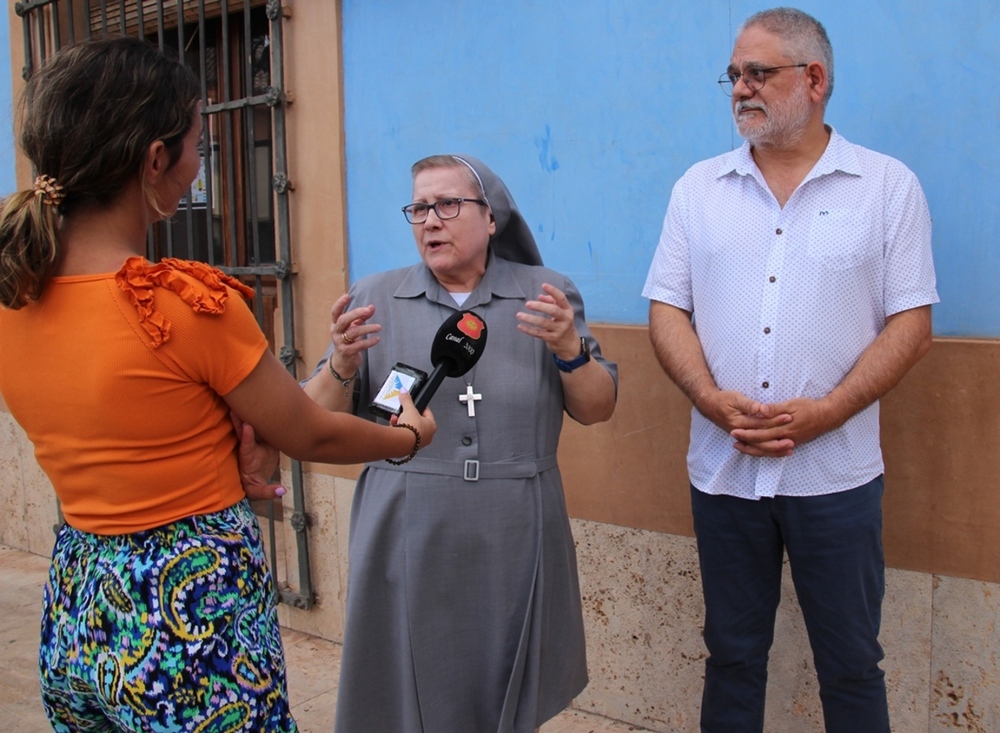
[471, 472]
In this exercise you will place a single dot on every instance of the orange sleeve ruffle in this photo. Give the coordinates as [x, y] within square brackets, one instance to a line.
[204, 289]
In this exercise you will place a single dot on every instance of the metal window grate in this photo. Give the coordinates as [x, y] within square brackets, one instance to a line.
[236, 216]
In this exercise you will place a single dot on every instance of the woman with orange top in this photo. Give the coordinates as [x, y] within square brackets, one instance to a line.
[159, 613]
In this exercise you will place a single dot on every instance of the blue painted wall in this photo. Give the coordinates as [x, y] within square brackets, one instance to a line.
[591, 109]
[7, 180]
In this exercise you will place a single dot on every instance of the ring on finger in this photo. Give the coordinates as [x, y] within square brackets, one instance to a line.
[345, 338]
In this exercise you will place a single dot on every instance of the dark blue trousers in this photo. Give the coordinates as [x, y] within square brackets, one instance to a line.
[834, 546]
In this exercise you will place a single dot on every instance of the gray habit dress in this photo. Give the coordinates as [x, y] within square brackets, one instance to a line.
[463, 603]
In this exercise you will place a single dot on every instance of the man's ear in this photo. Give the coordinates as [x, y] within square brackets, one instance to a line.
[816, 79]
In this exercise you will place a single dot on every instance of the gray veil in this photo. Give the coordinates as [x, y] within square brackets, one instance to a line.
[513, 239]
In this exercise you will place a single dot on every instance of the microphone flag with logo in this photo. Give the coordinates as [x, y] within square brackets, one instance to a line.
[456, 348]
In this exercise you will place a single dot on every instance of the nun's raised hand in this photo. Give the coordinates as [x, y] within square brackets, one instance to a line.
[351, 334]
[550, 318]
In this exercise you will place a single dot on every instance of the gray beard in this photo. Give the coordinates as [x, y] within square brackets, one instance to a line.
[784, 125]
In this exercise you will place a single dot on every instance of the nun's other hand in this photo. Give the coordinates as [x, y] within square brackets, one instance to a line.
[550, 318]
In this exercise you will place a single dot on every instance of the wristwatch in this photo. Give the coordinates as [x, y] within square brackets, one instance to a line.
[576, 363]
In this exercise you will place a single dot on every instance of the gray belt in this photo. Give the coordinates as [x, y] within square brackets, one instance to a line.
[472, 470]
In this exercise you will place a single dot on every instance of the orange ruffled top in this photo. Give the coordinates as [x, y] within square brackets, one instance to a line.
[117, 380]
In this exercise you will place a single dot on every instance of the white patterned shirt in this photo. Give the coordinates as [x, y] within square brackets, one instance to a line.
[785, 300]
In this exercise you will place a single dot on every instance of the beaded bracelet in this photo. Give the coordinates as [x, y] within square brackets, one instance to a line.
[345, 382]
[416, 445]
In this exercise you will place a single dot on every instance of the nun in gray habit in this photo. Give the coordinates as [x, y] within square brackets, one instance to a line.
[463, 603]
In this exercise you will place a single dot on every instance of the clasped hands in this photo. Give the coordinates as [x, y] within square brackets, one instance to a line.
[768, 429]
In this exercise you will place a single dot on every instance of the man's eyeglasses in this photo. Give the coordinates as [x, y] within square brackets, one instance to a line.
[443, 208]
[753, 76]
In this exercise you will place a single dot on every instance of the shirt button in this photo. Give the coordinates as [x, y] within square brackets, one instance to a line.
[767, 329]
[765, 385]
[466, 440]
[772, 279]
[777, 231]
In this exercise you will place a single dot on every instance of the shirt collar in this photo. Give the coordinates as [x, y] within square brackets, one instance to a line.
[499, 280]
[839, 155]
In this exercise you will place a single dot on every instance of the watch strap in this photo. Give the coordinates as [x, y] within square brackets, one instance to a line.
[576, 362]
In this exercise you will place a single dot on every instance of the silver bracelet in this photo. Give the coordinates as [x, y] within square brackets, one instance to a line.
[345, 382]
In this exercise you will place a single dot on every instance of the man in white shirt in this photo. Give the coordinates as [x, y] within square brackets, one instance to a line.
[806, 263]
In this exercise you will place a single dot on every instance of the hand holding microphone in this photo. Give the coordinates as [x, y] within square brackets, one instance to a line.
[455, 349]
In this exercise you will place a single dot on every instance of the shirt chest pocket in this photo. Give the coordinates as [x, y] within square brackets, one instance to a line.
[838, 239]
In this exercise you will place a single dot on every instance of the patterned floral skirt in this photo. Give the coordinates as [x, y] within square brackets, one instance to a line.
[169, 629]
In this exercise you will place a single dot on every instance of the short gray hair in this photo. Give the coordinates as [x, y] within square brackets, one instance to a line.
[805, 38]
[450, 161]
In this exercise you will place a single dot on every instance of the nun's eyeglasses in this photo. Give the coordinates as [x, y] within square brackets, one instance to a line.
[443, 208]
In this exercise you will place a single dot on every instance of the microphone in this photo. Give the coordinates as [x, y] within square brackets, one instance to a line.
[456, 348]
